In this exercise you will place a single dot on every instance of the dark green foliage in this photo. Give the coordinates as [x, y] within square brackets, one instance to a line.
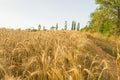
[73, 25]
[28, 29]
[87, 29]
[32, 30]
[57, 26]
[112, 8]
[39, 27]
[78, 26]
[53, 28]
[106, 28]
[65, 25]
[106, 18]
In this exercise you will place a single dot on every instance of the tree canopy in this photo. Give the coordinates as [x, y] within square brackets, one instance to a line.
[106, 18]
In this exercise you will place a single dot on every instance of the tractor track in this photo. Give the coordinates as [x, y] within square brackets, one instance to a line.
[104, 49]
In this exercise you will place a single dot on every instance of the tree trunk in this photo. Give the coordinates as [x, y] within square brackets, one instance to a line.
[117, 32]
[118, 22]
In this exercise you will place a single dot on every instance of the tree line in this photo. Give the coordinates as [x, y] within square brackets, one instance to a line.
[106, 18]
[75, 26]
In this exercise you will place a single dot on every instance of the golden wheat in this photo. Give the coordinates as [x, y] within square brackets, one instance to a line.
[48, 55]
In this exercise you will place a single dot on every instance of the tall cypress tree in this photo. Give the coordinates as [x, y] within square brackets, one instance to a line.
[65, 25]
[74, 25]
[78, 26]
[57, 26]
[39, 27]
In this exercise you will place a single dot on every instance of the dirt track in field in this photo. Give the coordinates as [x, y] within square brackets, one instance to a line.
[104, 49]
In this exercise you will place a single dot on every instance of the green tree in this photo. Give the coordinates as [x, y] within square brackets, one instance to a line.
[73, 25]
[106, 18]
[44, 28]
[99, 18]
[112, 8]
[65, 25]
[78, 26]
[39, 27]
[57, 26]
[53, 28]
[28, 29]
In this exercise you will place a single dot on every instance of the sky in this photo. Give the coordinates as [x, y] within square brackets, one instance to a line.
[30, 13]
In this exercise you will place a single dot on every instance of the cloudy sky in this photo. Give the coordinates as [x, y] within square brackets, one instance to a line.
[30, 13]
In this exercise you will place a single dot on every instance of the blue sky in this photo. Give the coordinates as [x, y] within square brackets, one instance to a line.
[30, 13]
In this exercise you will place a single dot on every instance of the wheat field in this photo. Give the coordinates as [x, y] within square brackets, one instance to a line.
[49, 55]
